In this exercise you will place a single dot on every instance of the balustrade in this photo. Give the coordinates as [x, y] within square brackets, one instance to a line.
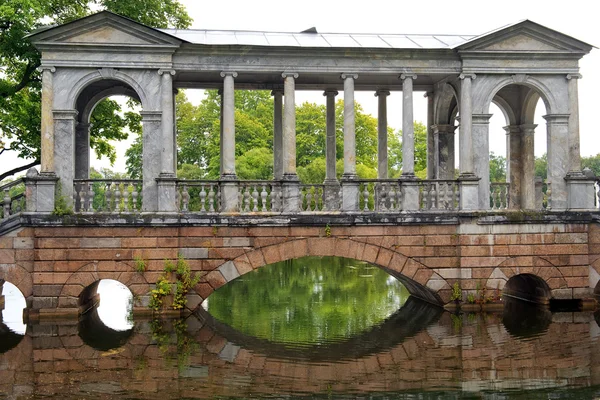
[311, 197]
[499, 195]
[12, 203]
[198, 196]
[439, 194]
[107, 195]
[380, 195]
[260, 196]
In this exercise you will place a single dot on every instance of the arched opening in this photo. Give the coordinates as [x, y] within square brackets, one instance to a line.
[312, 301]
[528, 287]
[106, 314]
[516, 109]
[108, 122]
[12, 304]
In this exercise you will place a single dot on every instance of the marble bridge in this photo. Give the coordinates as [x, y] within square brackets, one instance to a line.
[523, 238]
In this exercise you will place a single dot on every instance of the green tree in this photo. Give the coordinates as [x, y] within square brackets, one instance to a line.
[593, 163]
[497, 168]
[20, 81]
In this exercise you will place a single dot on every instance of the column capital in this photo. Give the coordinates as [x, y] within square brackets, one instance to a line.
[557, 119]
[349, 75]
[228, 73]
[443, 129]
[65, 114]
[512, 129]
[408, 75]
[428, 95]
[574, 76]
[289, 75]
[481, 119]
[148, 116]
[46, 68]
[166, 71]
[381, 92]
[330, 92]
[465, 76]
[528, 128]
[277, 92]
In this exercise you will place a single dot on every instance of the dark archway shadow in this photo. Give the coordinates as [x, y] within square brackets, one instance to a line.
[524, 319]
[528, 288]
[8, 339]
[409, 320]
[97, 335]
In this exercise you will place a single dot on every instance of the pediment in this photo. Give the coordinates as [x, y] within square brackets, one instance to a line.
[104, 28]
[525, 37]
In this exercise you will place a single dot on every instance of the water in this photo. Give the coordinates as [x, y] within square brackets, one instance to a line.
[370, 351]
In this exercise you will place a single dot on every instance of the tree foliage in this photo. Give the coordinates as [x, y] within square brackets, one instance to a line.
[20, 81]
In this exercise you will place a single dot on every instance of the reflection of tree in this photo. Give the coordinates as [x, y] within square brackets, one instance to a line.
[309, 300]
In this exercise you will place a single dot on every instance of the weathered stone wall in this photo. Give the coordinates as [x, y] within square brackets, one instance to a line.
[52, 265]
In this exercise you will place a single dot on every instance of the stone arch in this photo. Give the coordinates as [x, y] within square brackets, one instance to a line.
[90, 274]
[507, 111]
[87, 111]
[528, 287]
[21, 278]
[529, 105]
[447, 102]
[536, 266]
[538, 86]
[105, 74]
[421, 281]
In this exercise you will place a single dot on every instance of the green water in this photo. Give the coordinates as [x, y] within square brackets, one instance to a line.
[312, 300]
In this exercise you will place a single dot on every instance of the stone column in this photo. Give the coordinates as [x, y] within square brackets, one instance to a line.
[47, 129]
[469, 187]
[431, 152]
[350, 186]
[151, 143]
[558, 158]
[410, 188]
[481, 156]
[229, 188]
[82, 150]
[382, 137]
[443, 151]
[332, 186]
[220, 92]
[291, 184]
[514, 165]
[528, 196]
[166, 180]
[574, 154]
[277, 134]
[64, 151]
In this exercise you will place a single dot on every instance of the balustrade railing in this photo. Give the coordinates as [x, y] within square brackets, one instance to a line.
[198, 196]
[499, 195]
[12, 203]
[312, 197]
[260, 196]
[107, 195]
[380, 195]
[439, 194]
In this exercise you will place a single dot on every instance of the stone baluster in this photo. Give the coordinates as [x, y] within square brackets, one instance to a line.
[90, 198]
[308, 199]
[126, 187]
[366, 196]
[263, 197]
[117, 197]
[433, 196]
[134, 197]
[254, 198]
[211, 197]
[6, 203]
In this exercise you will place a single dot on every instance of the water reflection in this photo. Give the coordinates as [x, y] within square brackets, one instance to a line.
[523, 319]
[309, 301]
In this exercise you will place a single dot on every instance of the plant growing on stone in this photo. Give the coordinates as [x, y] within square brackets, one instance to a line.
[456, 295]
[327, 230]
[139, 264]
[185, 281]
[61, 206]
[157, 295]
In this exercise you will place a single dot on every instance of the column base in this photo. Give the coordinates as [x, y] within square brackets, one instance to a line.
[469, 192]
[229, 195]
[331, 195]
[581, 190]
[167, 197]
[350, 192]
[410, 193]
[290, 187]
[40, 191]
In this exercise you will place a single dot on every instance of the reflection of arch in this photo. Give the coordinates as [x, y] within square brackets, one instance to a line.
[528, 287]
[8, 339]
[413, 317]
[420, 280]
[97, 335]
[102, 74]
[524, 319]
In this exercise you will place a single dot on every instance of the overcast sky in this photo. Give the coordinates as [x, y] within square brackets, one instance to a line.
[574, 18]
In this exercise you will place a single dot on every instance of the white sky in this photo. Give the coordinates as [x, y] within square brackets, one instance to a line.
[575, 18]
